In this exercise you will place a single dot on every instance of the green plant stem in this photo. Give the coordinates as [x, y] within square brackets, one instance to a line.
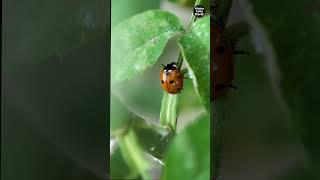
[133, 154]
[218, 119]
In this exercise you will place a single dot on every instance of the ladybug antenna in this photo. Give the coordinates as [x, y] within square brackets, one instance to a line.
[162, 65]
[240, 52]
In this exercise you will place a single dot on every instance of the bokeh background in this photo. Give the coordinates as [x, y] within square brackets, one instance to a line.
[55, 57]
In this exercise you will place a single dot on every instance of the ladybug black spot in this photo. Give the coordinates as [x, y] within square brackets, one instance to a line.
[162, 81]
[179, 77]
[220, 49]
[171, 81]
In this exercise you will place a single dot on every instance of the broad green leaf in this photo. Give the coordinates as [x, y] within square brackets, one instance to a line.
[195, 47]
[289, 40]
[133, 154]
[137, 42]
[188, 156]
[169, 111]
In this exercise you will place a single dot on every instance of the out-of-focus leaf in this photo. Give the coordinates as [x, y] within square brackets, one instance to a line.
[120, 116]
[188, 156]
[133, 154]
[35, 30]
[289, 40]
[118, 167]
[152, 140]
[195, 46]
[137, 42]
[122, 9]
[169, 111]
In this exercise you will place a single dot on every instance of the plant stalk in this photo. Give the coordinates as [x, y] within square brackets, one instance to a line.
[133, 154]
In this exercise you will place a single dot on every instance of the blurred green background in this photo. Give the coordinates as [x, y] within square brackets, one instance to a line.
[54, 89]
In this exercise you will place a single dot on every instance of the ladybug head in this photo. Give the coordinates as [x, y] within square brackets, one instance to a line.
[170, 66]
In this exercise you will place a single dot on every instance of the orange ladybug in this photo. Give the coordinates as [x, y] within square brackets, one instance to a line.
[171, 78]
[222, 64]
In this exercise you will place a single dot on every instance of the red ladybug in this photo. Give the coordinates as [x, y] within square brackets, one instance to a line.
[171, 78]
[222, 64]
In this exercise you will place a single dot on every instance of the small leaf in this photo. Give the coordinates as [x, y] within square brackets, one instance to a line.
[188, 156]
[169, 111]
[137, 42]
[195, 47]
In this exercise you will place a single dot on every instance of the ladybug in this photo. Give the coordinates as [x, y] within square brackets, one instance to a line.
[171, 78]
[222, 64]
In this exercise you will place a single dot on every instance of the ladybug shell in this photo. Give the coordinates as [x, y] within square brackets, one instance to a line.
[171, 80]
[222, 72]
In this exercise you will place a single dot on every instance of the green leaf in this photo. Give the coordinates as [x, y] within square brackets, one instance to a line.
[137, 42]
[195, 47]
[169, 111]
[188, 156]
[289, 40]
